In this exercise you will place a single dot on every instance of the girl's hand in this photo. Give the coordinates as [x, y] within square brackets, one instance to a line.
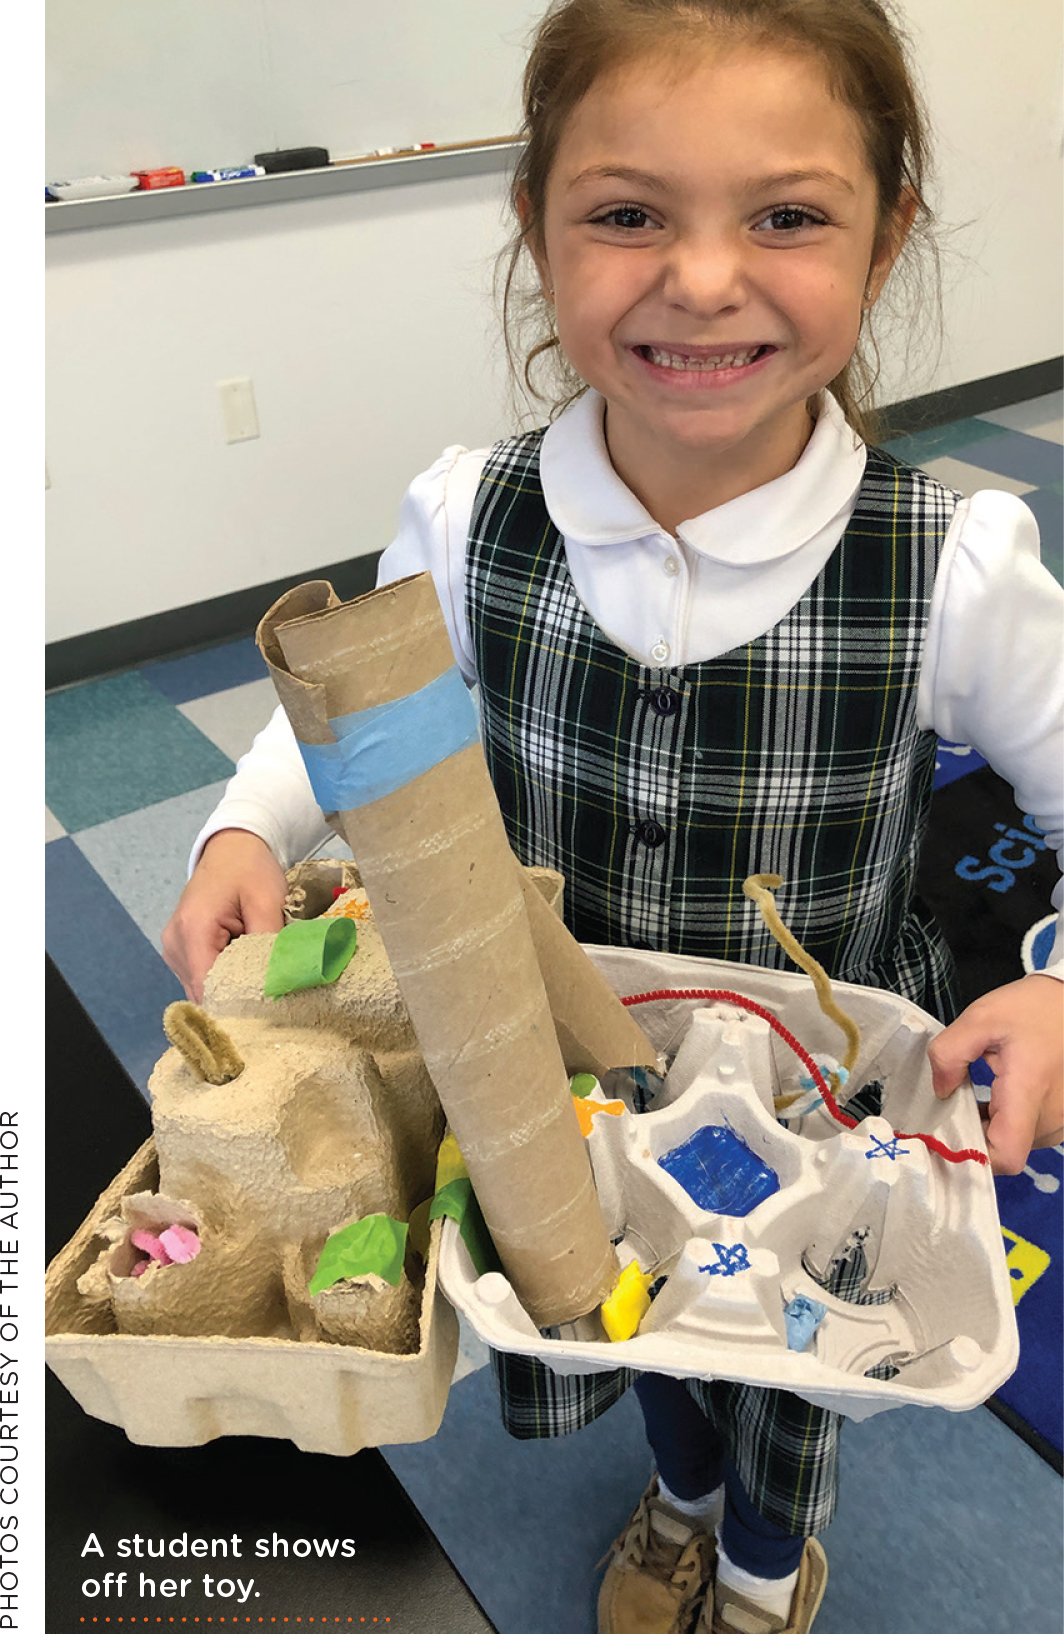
[1020, 1030]
[238, 885]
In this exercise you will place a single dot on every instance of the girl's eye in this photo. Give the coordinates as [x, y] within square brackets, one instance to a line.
[629, 217]
[790, 218]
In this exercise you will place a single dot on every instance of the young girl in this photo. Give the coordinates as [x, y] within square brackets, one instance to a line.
[716, 634]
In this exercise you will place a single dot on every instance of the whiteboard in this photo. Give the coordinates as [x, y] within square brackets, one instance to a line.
[134, 84]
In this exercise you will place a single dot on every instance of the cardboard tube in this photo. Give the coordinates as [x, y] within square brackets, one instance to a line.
[437, 867]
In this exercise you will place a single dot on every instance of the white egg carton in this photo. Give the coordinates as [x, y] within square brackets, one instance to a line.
[936, 1307]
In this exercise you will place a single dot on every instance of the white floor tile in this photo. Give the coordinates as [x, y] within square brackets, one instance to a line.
[53, 828]
[143, 857]
[1040, 417]
[231, 718]
[969, 479]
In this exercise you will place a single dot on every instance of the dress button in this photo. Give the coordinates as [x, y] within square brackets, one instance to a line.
[659, 652]
[664, 701]
[651, 833]
[670, 566]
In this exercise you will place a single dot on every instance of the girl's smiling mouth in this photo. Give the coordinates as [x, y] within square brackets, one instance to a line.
[701, 360]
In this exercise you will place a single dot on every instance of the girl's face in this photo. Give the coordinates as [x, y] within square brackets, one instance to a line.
[709, 234]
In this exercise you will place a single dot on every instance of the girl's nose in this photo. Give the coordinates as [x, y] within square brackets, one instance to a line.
[705, 274]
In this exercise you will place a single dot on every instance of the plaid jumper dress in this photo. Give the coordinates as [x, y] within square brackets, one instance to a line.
[656, 791]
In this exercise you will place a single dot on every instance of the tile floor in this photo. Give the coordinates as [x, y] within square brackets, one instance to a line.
[941, 1513]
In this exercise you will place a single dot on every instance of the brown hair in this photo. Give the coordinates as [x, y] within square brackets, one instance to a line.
[864, 54]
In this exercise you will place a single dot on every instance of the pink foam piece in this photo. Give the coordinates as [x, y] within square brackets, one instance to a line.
[150, 1245]
[180, 1244]
[140, 1268]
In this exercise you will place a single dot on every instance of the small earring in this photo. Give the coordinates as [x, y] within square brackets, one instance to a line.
[869, 296]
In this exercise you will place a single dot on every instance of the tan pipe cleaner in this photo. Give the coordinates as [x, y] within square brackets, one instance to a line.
[207, 1048]
[759, 888]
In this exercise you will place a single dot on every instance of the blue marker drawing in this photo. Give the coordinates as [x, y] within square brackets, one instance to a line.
[886, 1148]
[719, 1172]
[729, 1261]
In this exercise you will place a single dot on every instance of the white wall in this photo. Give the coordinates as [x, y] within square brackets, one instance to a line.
[366, 326]
[991, 76]
[361, 321]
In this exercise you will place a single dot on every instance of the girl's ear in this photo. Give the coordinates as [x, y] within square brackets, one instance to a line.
[533, 238]
[891, 242]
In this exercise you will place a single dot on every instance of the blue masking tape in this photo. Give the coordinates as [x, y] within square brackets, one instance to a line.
[380, 750]
[802, 1317]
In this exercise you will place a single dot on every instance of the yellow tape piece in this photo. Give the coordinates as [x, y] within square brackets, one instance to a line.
[1026, 1263]
[450, 1164]
[628, 1303]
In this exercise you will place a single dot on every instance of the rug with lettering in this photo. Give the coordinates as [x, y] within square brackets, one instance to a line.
[988, 875]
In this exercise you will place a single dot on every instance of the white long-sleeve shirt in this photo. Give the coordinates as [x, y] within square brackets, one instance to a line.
[991, 675]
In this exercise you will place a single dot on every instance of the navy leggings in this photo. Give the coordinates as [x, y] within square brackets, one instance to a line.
[692, 1461]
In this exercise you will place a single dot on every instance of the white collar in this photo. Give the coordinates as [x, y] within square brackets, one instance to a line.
[590, 505]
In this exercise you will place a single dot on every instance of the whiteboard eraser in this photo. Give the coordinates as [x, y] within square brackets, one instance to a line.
[92, 187]
[292, 159]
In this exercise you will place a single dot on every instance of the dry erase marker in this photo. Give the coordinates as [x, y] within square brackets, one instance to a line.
[389, 153]
[235, 173]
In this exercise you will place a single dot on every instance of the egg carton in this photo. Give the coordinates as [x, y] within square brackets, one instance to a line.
[894, 1237]
[170, 1390]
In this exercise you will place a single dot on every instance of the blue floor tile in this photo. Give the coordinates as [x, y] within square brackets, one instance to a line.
[1013, 454]
[116, 745]
[928, 1537]
[921, 446]
[216, 669]
[110, 965]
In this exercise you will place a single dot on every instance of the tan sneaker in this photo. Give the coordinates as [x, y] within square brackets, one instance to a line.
[659, 1571]
[726, 1612]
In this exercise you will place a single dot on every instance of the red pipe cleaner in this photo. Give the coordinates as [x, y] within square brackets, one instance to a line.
[712, 995]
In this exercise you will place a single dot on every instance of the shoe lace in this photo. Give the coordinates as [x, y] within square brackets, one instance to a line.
[642, 1547]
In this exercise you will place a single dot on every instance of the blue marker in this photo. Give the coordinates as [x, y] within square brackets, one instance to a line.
[235, 173]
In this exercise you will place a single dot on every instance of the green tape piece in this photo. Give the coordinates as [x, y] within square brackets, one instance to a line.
[452, 1200]
[457, 1202]
[309, 953]
[581, 1085]
[375, 1244]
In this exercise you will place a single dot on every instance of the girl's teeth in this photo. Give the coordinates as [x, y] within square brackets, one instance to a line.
[680, 360]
